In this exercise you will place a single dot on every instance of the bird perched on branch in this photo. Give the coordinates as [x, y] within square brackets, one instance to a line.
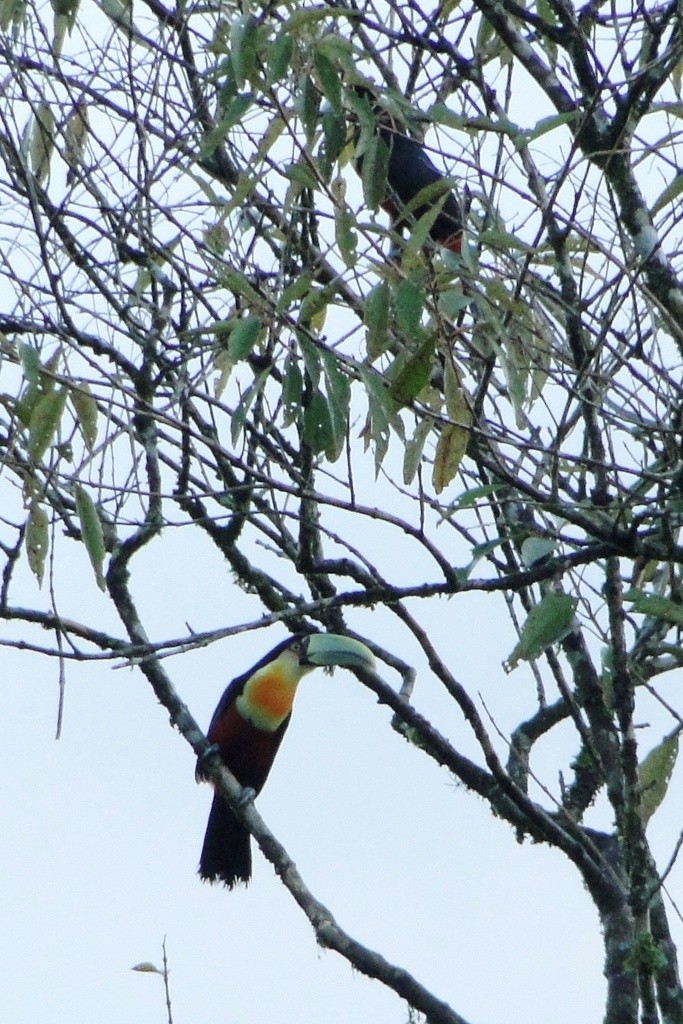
[247, 728]
[414, 186]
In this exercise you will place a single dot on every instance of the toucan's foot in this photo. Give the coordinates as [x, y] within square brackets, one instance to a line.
[200, 770]
[246, 796]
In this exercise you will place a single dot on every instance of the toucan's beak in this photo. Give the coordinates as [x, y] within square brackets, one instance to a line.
[333, 649]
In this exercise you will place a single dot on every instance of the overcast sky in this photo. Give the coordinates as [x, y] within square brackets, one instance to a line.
[102, 832]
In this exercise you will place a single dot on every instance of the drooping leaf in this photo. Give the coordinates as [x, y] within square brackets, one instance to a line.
[233, 113]
[244, 405]
[243, 47]
[44, 422]
[292, 391]
[12, 13]
[345, 235]
[654, 775]
[302, 175]
[375, 171]
[318, 430]
[414, 449]
[243, 336]
[314, 303]
[381, 416]
[450, 448]
[329, 80]
[85, 408]
[42, 144]
[376, 319]
[409, 300]
[224, 366]
[547, 622]
[334, 134]
[76, 132]
[31, 365]
[339, 394]
[312, 360]
[457, 405]
[413, 373]
[280, 54]
[91, 532]
[37, 540]
[307, 104]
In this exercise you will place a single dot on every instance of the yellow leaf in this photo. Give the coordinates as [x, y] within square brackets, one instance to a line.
[450, 448]
[37, 540]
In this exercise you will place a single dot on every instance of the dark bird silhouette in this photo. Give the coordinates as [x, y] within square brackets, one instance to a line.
[410, 171]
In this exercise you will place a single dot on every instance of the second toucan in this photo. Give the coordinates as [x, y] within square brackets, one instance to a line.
[411, 171]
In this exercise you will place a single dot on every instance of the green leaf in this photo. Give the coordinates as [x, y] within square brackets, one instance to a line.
[37, 540]
[294, 291]
[453, 301]
[318, 430]
[244, 405]
[329, 80]
[292, 391]
[547, 622]
[457, 406]
[345, 235]
[31, 365]
[279, 58]
[243, 337]
[240, 285]
[671, 192]
[534, 549]
[91, 532]
[381, 415]
[302, 174]
[548, 124]
[413, 373]
[409, 302]
[419, 232]
[313, 303]
[44, 421]
[307, 103]
[334, 133]
[339, 394]
[654, 775]
[312, 360]
[85, 408]
[12, 12]
[304, 17]
[656, 607]
[243, 47]
[472, 497]
[376, 319]
[233, 115]
[375, 171]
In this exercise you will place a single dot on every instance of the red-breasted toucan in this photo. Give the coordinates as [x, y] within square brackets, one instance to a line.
[247, 728]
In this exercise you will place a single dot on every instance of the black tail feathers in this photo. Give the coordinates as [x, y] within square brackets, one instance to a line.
[226, 853]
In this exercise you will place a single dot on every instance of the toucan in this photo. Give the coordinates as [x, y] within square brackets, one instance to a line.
[410, 170]
[247, 728]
